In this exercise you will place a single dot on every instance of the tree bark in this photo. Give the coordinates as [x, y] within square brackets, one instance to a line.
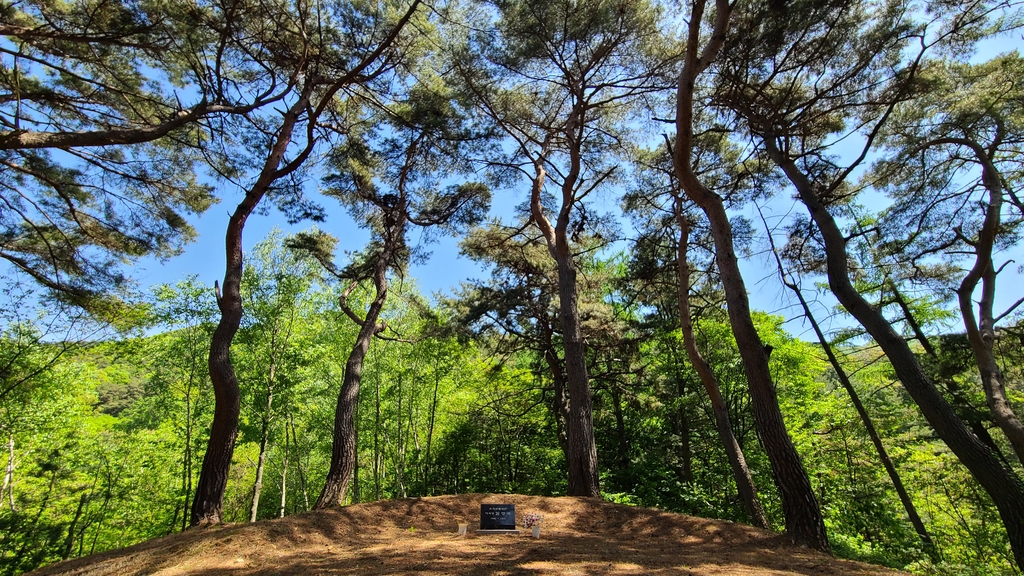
[804, 522]
[741, 473]
[981, 331]
[1001, 483]
[344, 447]
[208, 502]
[582, 449]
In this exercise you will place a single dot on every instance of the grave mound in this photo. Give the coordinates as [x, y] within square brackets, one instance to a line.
[418, 536]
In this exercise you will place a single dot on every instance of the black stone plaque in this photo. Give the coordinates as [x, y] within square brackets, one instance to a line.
[497, 516]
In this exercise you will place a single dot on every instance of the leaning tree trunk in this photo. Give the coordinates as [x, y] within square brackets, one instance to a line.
[213, 478]
[981, 332]
[876, 439]
[741, 473]
[804, 522]
[344, 447]
[1001, 483]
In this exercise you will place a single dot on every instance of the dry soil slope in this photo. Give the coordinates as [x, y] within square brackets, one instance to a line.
[417, 536]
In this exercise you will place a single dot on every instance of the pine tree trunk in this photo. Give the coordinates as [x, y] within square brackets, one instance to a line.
[582, 449]
[981, 331]
[583, 477]
[344, 446]
[883, 454]
[741, 473]
[213, 478]
[804, 522]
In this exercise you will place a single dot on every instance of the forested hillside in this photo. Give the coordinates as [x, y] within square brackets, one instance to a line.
[659, 171]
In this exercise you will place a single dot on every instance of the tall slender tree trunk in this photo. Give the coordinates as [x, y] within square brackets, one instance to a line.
[344, 446]
[261, 461]
[804, 522]
[284, 477]
[683, 422]
[583, 475]
[399, 444]
[186, 473]
[69, 541]
[682, 412]
[208, 502]
[620, 429]
[298, 463]
[962, 405]
[376, 440]
[1001, 483]
[213, 478]
[734, 452]
[428, 490]
[981, 331]
[876, 439]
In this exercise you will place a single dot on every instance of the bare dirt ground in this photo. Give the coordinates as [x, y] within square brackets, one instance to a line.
[418, 536]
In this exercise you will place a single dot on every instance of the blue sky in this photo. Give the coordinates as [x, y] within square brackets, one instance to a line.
[446, 268]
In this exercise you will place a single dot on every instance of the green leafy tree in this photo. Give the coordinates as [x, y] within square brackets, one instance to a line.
[957, 145]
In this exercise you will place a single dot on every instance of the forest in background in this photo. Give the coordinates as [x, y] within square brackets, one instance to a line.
[108, 437]
[611, 351]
